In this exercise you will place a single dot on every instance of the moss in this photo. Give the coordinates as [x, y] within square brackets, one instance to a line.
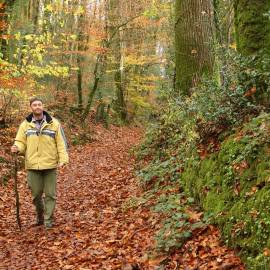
[252, 26]
[234, 185]
[214, 203]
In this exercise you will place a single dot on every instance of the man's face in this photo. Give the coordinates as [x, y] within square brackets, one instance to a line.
[37, 107]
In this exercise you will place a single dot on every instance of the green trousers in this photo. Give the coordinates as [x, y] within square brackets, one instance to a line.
[41, 181]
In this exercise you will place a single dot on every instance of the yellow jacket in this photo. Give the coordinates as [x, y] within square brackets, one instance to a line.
[44, 148]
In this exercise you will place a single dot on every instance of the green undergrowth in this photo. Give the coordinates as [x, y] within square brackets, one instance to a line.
[171, 214]
[234, 186]
[214, 148]
[160, 180]
[231, 185]
[177, 225]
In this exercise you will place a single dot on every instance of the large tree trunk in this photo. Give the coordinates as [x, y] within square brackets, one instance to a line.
[252, 27]
[193, 42]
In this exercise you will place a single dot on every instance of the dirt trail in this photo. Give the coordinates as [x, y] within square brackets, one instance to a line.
[93, 229]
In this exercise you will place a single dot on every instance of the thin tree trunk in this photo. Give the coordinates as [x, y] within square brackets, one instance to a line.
[118, 58]
[79, 84]
[79, 72]
[93, 90]
[5, 8]
[119, 78]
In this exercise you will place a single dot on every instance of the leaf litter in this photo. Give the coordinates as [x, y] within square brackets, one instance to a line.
[93, 229]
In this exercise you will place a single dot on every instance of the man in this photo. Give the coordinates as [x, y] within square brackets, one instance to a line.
[41, 139]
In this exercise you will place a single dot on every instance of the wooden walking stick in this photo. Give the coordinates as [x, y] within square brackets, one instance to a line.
[16, 190]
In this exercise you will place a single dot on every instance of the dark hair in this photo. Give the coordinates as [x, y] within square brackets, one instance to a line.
[35, 99]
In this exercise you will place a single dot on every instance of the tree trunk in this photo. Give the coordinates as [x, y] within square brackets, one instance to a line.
[5, 8]
[252, 27]
[99, 72]
[119, 78]
[33, 12]
[116, 38]
[193, 42]
[92, 91]
[79, 84]
[79, 66]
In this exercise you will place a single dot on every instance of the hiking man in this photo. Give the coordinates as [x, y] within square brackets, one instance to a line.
[41, 139]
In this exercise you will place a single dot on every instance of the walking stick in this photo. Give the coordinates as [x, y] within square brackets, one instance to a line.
[16, 190]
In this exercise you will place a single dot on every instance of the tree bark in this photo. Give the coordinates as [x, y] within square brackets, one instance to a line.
[79, 66]
[119, 78]
[5, 8]
[100, 62]
[115, 32]
[193, 42]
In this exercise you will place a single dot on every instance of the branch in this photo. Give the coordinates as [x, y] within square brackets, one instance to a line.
[121, 25]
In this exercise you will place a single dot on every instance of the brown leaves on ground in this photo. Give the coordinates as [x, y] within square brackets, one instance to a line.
[93, 229]
[205, 251]
[7, 136]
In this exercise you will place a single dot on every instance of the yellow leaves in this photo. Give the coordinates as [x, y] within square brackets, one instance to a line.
[49, 8]
[73, 37]
[233, 46]
[62, 24]
[80, 10]
[57, 71]
[39, 57]
[140, 101]
[57, 7]
[145, 82]
[28, 37]
[24, 61]
[134, 59]
[32, 55]
[18, 35]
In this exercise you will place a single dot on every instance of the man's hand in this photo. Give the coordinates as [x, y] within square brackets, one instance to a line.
[61, 165]
[14, 148]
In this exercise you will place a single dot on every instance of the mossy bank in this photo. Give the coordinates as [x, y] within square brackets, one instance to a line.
[233, 185]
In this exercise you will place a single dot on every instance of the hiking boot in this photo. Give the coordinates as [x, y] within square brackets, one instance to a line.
[48, 226]
[40, 219]
[39, 223]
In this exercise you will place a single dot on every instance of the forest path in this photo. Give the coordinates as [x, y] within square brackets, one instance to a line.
[93, 228]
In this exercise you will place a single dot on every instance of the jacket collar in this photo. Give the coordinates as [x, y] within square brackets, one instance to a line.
[47, 117]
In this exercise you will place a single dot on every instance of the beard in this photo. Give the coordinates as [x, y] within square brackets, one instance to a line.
[38, 115]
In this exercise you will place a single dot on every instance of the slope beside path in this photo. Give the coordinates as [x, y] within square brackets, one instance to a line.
[93, 227]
